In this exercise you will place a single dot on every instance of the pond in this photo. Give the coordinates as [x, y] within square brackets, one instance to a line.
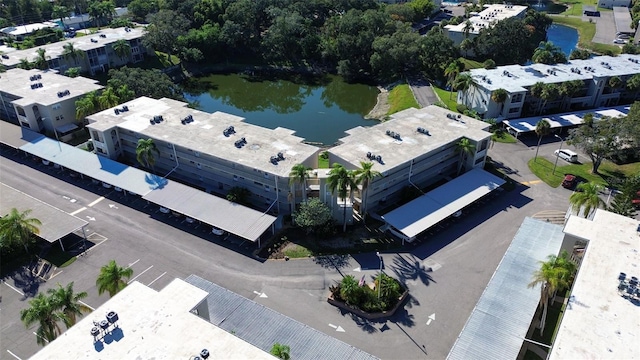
[318, 109]
[563, 36]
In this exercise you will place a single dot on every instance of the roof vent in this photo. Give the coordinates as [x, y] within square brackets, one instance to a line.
[104, 36]
[422, 130]
[393, 134]
[378, 159]
[371, 156]
[204, 354]
[228, 131]
[94, 40]
[157, 119]
[116, 111]
[187, 119]
[5, 56]
[280, 155]
[240, 143]
[125, 108]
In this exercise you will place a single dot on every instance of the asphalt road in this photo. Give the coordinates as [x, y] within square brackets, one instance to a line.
[446, 273]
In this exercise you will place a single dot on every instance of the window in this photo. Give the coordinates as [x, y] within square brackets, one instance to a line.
[199, 166]
[514, 110]
[56, 106]
[266, 176]
[483, 145]
[20, 111]
[60, 117]
[266, 188]
[197, 154]
[516, 98]
[479, 160]
[235, 177]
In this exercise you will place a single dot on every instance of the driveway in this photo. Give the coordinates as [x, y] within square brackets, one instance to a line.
[423, 92]
[605, 27]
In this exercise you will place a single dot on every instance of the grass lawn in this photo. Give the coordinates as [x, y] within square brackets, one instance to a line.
[296, 251]
[586, 32]
[608, 172]
[471, 64]
[401, 98]
[554, 314]
[504, 137]
[59, 258]
[323, 162]
[447, 97]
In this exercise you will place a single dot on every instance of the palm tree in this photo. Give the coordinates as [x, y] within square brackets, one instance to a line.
[465, 148]
[86, 105]
[41, 310]
[554, 274]
[144, 152]
[536, 91]
[468, 27]
[17, 228]
[68, 302]
[281, 351]
[25, 64]
[111, 278]
[299, 174]
[122, 48]
[70, 52]
[499, 96]
[343, 182]
[365, 176]
[451, 72]
[615, 82]
[125, 94]
[108, 98]
[543, 127]
[41, 60]
[60, 12]
[568, 90]
[464, 82]
[587, 197]
[550, 92]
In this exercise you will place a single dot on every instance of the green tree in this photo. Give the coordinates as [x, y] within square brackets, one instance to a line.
[86, 105]
[25, 64]
[548, 53]
[163, 31]
[622, 202]
[152, 83]
[601, 140]
[42, 311]
[543, 128]
[108, 98]
[68, 303]
[465, 82]
[299, 175]
[60, 12]
[499, 96]
[489, 64]
[17, 228]
[145, 151]
[397, 54]
[364, 176]
[586, 198]
[71, 52]
[122, 48]
[112, 278]
[141, 8]
[101, 12]
[41, 60]
[281, 351]
[422, 8]
[436, 51]
[350, 290]
[124, 94]
[464, 148]
[451, 72]
[633, 83]
[313, 214]
[72, 72]
[568, 90]
[550, 92]
[580, 54]
[615, 82]
[341, 182]
[239, 195]
[555, 274]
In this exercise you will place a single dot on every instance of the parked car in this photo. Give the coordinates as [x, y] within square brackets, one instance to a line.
[623, 37]
[569, 181]
[620, 41]
[164, 210]
[636, 200]
[189, 220]
[566, 155]
[216, 231]
[106, 185]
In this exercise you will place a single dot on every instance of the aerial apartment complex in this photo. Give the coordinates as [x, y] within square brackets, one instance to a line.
[99, 54]
[595, 74]
[43, 100]
[483, 20]
[217, 152]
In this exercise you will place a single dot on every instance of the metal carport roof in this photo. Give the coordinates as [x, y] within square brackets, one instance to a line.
[262, 327]
[221, 213]
[56, 223]
[498, 325]
[429, 209]
[15, 136]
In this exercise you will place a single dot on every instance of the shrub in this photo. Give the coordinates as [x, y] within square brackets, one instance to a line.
[461, 108]
[366, 299]
[489, 64]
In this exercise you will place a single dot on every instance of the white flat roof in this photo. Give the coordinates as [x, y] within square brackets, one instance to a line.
[151, 325]
[205, 134]
[54, 50]
[221, 213]
[598, 323]
[27, 28]
[17, 83]
[412, 144]
[56, 223]
[431, 208]
[488, 17]
[567, 119]
[514, 78]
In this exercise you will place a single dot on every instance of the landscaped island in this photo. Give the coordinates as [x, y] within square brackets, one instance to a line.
[379, 299]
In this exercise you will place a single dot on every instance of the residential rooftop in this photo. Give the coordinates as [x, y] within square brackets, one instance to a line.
[411, 144]
[54, 50]
[488, 17]
[27, 28]
[514, 78]
[598, 323]
[17, 82]
[151, 325]
[205, 134]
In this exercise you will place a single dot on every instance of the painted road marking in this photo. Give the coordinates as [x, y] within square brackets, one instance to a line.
[156, 279]
[358, 269]
[133, 263]
[90, 218]
[78, 211]
[337, 327]
[14, 355]
[87, 305]
[97, 201]
[431, 318]
[147, 269]
[532, 182]
[40, 337]
[260, 294]
[113, 206]
[18, 291]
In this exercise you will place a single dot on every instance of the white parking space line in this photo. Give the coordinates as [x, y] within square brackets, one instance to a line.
[147, 269]
[133, 263]
[34, 333]
[14, 355]
[97, 201]
[156, 279]
[87, 305]
[78, 211]
[18, 291]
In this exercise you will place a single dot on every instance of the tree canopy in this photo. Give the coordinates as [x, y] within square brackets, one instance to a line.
[152, 83]
[313, 214]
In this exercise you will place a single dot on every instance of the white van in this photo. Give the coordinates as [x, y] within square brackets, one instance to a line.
[567, 155]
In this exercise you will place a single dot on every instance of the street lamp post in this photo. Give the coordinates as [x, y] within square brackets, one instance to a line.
[557, 155]
[379, 275]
